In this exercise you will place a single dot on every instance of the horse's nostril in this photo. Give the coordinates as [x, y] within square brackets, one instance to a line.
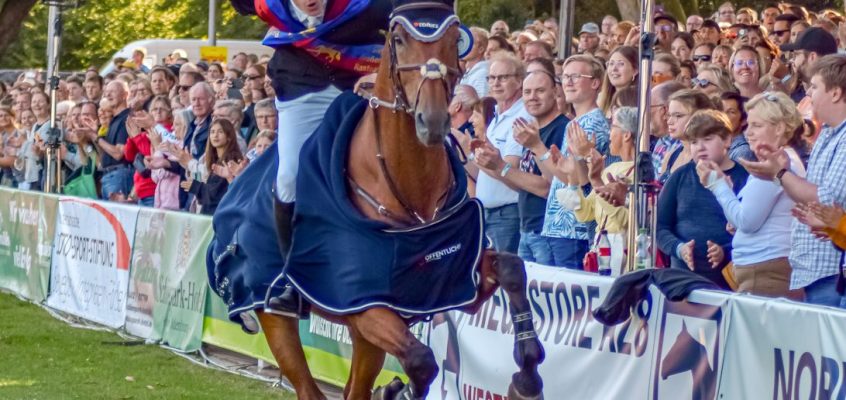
[420, 119]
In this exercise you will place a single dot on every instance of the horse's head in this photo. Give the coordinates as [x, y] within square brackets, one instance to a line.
[422, 51]
[684, 355]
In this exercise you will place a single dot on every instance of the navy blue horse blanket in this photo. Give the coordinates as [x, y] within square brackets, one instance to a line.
[344, 263]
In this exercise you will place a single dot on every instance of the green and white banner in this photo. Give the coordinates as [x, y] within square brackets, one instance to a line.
[27, 226]
[91, 258]
[167, 289]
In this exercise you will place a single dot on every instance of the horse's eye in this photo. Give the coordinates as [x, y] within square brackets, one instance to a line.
[398, 40]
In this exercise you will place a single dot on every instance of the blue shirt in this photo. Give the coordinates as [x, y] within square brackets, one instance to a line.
[532, 208]
[811, 258]
[560, 222]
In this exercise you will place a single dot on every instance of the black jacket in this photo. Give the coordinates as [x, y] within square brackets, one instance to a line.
[628, 290]
[295, 73]
[210, 193]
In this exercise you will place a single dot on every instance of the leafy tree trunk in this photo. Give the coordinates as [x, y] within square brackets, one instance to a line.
[691, 6]
[12, 15]
[674, 8]
[629, 10]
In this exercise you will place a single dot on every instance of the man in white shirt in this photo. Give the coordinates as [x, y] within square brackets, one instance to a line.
[476, 67]
[502, 217]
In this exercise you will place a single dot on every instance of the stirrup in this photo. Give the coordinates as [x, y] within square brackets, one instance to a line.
[389, 391]
[289, 304]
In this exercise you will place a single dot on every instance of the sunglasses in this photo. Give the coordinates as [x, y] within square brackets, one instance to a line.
[184, 87]
[779, 33]
[701, 83]
[701, 58]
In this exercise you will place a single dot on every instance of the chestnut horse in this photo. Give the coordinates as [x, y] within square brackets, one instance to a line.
[398, 157]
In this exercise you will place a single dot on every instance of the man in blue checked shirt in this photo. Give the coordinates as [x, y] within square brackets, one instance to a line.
[816, 262]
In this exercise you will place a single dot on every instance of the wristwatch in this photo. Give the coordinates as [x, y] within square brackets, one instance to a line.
[545, 156]
[779, 176]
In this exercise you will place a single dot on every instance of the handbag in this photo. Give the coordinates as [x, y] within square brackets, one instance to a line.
[591, 260]
[81, 182]
[728, 275]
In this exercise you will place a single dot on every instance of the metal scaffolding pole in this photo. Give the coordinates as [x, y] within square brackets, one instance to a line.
[565, 27]
[642, 196]
[212, 22]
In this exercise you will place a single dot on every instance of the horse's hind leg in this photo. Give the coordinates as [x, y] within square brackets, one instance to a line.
[283, 336]
[528, 351]
[387, 331]
[367, 361]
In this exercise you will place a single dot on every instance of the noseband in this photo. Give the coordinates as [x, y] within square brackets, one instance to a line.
[433, 69]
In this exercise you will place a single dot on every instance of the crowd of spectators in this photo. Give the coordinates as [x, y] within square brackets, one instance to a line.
[746, 112]
[170, 136]
[747, 109]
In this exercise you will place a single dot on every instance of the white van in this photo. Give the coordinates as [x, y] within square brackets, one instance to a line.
[158, 49]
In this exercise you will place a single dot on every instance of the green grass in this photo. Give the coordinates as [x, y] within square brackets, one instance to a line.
[44, 358]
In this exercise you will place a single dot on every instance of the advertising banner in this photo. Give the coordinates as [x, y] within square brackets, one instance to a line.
[91, 258]
[167, 286]
[475, 351]
[690, 347]
[783, 350]
[181, 286]
[27, 227]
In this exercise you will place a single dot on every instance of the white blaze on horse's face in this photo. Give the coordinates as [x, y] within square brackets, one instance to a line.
[428, 88]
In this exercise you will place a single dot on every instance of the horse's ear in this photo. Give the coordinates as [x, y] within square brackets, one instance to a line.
[398, 3]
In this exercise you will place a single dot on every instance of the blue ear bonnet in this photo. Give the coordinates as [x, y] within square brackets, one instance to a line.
[429, 25]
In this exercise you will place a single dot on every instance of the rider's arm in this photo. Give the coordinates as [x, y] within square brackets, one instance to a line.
[244, 7]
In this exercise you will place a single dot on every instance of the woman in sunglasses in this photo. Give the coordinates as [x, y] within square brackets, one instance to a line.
[712, 80]
[746, 71]
[702, 54]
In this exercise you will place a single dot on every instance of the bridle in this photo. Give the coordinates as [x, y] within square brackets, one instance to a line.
[433, 69]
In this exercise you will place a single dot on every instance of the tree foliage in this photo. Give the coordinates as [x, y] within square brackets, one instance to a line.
[101, 27]
[96, 30]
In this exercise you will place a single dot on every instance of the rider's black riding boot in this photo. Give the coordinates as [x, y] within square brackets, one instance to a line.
[290, 302]
[284, 214]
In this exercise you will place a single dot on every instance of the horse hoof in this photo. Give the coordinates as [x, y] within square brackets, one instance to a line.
[514, 394]
[389, 391]
[529, 353]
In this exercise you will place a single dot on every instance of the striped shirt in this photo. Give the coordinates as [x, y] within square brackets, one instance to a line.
[811, 258]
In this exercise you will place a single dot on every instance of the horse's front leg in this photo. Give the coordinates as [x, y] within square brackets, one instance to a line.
[367, 361]
[283, 337]
[387, 331]
[510, 272]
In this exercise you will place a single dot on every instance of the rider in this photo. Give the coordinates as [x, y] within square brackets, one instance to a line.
[322, 48]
